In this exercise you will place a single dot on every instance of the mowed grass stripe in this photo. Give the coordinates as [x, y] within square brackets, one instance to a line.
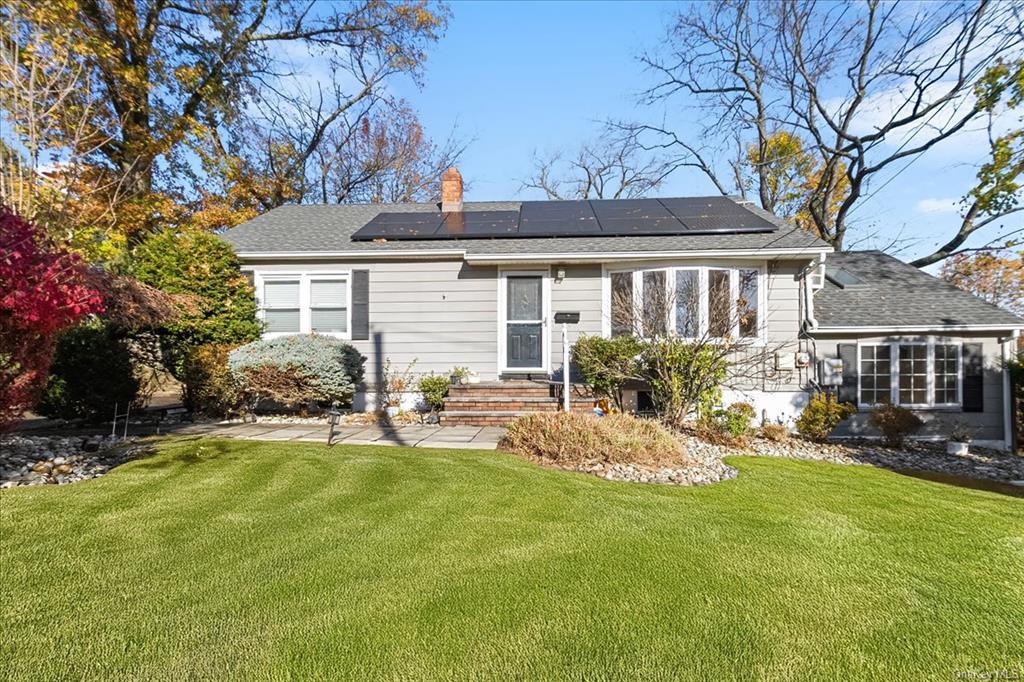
[243, 560]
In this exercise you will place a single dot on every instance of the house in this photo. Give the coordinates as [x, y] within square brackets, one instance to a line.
[477, 285]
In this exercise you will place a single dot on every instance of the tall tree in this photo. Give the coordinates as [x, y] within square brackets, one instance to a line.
[996, 277]
[162, 71]
[614, 166]
[867, 86]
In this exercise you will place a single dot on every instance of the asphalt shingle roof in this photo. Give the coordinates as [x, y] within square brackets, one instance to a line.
[328, 228]
[892, 293]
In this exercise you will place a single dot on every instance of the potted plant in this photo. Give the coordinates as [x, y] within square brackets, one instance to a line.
[959, 441]
[395, 385]
[472, 378]
[459, 375]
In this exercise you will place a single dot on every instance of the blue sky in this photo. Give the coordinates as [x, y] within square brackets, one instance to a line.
[525, 77]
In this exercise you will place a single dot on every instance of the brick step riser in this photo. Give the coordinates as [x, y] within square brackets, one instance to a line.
[499, 392]
[504, 406]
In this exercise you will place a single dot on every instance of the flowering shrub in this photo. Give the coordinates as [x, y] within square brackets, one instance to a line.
[434, 390]
[43, 290]
[326, 369]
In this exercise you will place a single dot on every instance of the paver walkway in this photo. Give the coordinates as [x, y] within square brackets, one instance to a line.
[413, 435]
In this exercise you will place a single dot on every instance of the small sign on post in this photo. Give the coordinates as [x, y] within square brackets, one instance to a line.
[565, 319]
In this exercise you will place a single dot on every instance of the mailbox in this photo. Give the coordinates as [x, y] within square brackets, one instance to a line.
[567, 318]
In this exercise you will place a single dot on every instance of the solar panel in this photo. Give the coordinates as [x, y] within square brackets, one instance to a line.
[593, 218]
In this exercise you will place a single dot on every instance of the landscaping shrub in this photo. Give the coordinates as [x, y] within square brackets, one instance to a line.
[683, 377]
[44, 290]
[777, 433]
[210, 386]
[434, 390]
[394, 384]
[205, 269]
[607, 364]
[91, 373]
[574, 438]
[895, 423]
[728, 426]
[287, 385]
[324, 369]
[821, 416]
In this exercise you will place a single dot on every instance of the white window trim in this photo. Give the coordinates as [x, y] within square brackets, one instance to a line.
[894, 372]
[702, 278]
[545, 334]
[305, 315]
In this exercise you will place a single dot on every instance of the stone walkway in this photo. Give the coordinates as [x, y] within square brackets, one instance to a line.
[415, 435]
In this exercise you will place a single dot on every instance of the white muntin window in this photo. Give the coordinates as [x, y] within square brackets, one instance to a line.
[304, 303]
[917, 374]
[689, 302]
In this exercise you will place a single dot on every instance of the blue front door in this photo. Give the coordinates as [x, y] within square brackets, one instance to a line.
[524, 322]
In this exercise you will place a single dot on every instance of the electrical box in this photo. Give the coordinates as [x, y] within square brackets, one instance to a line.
[832, 372]
[803, 359]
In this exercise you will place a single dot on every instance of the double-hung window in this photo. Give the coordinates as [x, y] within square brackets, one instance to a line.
[281, 309]
[688, 302]
[918, 374]
[305, 303]
[328, 306]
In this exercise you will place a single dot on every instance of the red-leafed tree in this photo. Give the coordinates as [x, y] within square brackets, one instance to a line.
[43, 290]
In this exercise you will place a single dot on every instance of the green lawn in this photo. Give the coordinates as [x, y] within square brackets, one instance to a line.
[229, 559]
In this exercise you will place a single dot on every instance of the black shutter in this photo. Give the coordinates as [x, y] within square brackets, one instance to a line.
[360, 305]
[974, 378]
[848, 390]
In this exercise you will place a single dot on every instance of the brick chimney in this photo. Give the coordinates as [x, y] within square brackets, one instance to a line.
[451, 191]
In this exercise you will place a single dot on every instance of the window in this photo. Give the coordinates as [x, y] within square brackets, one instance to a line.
[302, 303]
[913, 374]
[746, 304]
[655, 310]
[918, 374]
[328, 305]
[719, 303]
[875, 375]
[622, 303]
[281, 306]
[689, 302]
[947, 374]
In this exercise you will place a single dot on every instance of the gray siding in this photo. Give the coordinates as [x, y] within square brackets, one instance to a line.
[440, 313]
[985, 425]
[579, 291]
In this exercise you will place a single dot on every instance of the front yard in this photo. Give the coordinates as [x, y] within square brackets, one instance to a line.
[233, 559]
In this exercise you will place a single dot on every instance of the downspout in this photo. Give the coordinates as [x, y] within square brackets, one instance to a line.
[1007, 398]
[810, 323]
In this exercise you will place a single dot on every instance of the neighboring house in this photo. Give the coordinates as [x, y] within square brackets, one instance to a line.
[478, 284]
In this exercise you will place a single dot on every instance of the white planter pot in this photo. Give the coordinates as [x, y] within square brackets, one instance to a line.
[954, 448]
[474, 380]
[392, 410]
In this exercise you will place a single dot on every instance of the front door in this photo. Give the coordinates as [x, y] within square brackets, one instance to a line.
[524, 321]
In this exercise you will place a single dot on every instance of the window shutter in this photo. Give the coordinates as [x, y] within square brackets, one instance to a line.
[360, 305]
[848, 390]
[974, 377]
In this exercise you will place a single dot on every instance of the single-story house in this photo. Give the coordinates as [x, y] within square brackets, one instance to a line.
[478, 285]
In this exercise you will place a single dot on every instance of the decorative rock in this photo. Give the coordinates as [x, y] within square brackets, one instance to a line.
[23, 459]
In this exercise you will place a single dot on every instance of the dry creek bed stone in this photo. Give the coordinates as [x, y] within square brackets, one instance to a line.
[41, 460]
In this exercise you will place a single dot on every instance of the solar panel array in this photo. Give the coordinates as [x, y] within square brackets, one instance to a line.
[593, 218]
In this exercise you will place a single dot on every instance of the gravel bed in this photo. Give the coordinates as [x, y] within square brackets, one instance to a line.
[40, 460]
[915, 456]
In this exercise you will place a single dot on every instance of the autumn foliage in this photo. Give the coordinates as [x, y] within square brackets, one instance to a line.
[43, 290]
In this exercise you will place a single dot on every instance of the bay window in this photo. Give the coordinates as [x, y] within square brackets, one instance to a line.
[917, 374]
[689, 302]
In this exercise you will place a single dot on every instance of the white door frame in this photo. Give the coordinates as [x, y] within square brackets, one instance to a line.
[545, 331]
